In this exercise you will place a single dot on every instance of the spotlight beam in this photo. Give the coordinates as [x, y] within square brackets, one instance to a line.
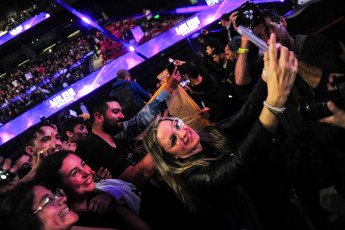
[95, 25]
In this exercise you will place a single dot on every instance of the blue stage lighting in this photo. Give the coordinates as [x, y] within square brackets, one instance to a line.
[85, 19]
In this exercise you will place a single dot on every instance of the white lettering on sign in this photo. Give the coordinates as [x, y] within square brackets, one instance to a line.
[188, 26]
[16, 30]
[212, 2]
[62, 98]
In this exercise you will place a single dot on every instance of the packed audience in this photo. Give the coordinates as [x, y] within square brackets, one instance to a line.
[37, 80]
[263, 163]
[121, 29]
[16, 18]
[51, 72]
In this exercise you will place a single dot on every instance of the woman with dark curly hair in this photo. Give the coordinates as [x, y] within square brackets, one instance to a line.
[95, 207]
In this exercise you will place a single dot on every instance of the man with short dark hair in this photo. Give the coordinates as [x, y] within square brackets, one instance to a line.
[218, 56]
[40, 141]
[317, 56]
[105, 146]
[207, 93]
[226, 23]
[75, 129]
[211, 46]
[222, 67]
[22, 160]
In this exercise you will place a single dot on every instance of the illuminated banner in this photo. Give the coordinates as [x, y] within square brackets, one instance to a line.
[188, 26]
[62, 98]
[212, 2]
[16, 30]
[206, 16]
[23, 27]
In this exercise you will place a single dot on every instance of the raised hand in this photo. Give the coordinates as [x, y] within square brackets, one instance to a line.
[233, 18]
[103, 173]
[281, 72]
[173, 80]
[338, 117]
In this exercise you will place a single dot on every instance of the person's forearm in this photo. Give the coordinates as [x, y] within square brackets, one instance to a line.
[242, 74]
[268, 120]
[29, 176]
[133, 221]
[143, 119]
[139, 174]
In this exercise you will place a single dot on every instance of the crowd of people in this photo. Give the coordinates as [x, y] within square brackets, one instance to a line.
[272, 157]
[16, 18]
[121, 29]
[31, 83]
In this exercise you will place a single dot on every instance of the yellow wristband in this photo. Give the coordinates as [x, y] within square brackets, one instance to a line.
[241, 51]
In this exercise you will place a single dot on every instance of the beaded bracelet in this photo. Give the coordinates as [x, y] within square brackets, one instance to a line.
[273, 108]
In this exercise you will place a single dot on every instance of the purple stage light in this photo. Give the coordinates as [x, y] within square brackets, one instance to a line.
[131, 48]
[209, 20]
[85, 19]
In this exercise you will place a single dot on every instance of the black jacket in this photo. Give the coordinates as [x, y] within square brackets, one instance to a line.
[308, 158]
[227, 172]
[221, 185]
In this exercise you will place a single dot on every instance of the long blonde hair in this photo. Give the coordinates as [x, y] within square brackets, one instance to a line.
[171, 168]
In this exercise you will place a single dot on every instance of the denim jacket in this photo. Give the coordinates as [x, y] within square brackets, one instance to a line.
[143, 119]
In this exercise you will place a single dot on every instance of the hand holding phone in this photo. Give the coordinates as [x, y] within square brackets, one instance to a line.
[184, 83]
[8, 175]
[173, 81]
[170, 67]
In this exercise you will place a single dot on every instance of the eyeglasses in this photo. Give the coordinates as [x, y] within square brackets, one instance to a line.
[177, 124]
[52, 199]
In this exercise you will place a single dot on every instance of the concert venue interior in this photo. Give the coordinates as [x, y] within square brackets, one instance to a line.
[144, 50]
[180, 114]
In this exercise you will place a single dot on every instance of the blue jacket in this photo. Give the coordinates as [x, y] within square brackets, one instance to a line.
[138, 92]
